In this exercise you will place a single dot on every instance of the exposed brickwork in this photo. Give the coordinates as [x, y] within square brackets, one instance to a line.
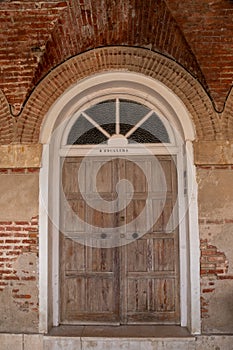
[25, 29]
[136, 60]
[99, 23]
[227, 118]
[207, 26]
[213, 262]
[214, 266]
[7, 122]
[17, 239]
[215, 226]
[19, 171]
[215, 167]
[37, 36]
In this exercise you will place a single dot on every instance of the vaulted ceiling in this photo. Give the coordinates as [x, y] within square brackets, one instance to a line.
[36, 36]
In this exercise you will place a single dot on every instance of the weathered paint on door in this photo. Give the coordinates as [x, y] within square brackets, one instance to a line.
[137, 282]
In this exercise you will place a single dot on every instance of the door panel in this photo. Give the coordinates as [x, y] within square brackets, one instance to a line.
[164, 259]
[89, 287]
[151, 294]
[137, 282]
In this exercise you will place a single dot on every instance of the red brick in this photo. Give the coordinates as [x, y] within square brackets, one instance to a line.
[22, 296]
[227, 277]
[208, 252]
[30, 229]
[10, 278]
[28, 278]
[21, 223]
[4, 223]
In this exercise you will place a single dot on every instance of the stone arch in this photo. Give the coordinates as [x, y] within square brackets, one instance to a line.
[148, 63]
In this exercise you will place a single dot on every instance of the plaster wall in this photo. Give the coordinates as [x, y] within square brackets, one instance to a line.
[19, 195]
[216, 234]
[19, 250]
[19, 204]
[19, 190]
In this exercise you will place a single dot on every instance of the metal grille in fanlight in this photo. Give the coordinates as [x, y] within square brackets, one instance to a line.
[128, 118]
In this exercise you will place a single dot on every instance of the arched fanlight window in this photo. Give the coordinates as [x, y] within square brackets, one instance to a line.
[124, 118]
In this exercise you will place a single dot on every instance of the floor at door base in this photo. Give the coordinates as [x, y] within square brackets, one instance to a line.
[151, 331]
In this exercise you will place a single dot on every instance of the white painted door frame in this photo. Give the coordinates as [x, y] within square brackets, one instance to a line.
[167, 104]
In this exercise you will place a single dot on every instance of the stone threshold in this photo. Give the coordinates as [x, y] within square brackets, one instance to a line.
[139, 342]
[124, 331]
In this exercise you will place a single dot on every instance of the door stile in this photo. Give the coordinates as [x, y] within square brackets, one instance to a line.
[121, 232]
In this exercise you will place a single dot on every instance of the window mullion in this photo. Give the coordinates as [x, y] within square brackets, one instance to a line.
[131, 131]
[96, 125]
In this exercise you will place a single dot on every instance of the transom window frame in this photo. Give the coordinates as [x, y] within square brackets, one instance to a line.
[157, 148]
[118, 99]
[167, 104]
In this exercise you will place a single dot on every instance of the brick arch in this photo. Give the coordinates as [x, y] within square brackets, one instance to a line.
[227, 118]
[119, 58]
[6, 121]
[85, 25]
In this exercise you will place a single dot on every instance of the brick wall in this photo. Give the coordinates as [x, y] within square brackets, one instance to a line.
[216, 241]
[19, 274]
[18, 263]
[17, 238]
[208, 31]
[112, 59]
[214, 266]
[37, 36]
[66, 41]
[25, 29]
[103, 23]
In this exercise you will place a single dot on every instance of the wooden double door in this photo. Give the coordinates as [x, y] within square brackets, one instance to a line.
[119, 265]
